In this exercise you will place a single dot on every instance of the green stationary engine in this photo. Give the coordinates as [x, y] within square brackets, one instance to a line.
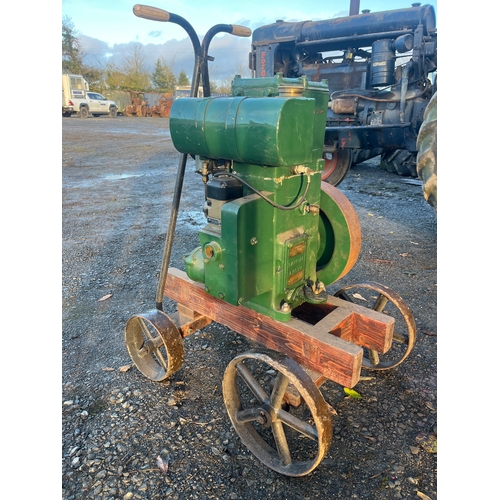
[275, 234]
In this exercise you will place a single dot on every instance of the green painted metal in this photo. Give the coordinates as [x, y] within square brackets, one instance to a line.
[286, 87]
[249, 130]
[253, 252]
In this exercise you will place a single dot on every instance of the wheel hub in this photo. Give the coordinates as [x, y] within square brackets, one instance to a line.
[267, 415]
[148, 346]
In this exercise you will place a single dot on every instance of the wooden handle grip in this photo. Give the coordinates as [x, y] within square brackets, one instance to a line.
[240, 30]
[151, 13]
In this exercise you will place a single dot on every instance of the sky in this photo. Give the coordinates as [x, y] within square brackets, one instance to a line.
[109, 28]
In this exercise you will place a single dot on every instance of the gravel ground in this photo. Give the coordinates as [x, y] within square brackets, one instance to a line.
[117, 183]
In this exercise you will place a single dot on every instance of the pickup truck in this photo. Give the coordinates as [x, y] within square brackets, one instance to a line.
[78, 100]
[98, 105]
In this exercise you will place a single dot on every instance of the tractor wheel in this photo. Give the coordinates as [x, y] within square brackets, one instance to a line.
[399, 161]
[361, 155]
[337, 165]
[427, 153]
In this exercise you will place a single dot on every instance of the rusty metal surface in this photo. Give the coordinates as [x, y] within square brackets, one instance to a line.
[154, 344]
[346, 105]
[269, 429]
[403, 342]
[362, 29]
[337, 164]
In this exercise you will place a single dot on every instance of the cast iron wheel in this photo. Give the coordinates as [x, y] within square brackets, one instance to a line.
[337, 165]
[382, 299]
[291, 441]
[154, 344]
[84, 112]
[427, 153]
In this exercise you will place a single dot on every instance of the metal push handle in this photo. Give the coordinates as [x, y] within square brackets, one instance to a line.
[156, 14]
[200, 67]
[232, 29]
[151, 13]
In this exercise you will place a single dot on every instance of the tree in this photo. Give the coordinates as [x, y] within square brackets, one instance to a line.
[115, 78]
[163, 78]
[223, 86]
[183, 79]
[136, 77]
[72, 52]
[73, 56]
[95, 76]
[242, 70]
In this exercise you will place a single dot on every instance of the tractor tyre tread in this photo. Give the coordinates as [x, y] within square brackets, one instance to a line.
[427, 153]
[399, 161]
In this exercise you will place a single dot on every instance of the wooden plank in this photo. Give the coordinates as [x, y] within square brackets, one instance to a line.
[292, 396]
[362, 326]
[351, 322]
[188, 324]
[313, 348]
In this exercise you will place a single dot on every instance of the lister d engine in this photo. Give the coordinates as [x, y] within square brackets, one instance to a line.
[276, 235]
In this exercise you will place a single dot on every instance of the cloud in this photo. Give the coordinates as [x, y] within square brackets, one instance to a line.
[94, 49]
[230, 54]
[155, 34]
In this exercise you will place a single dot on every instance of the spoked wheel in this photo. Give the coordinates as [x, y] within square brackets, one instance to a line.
[337, 164]
[382, 299]
[291, 441]
[154, 344]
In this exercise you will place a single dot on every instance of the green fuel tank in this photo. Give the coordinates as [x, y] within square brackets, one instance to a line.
[274, 132]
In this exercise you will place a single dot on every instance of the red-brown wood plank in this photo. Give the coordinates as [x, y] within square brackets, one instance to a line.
[313, 348]
[292, 395]
[368, 328]
[188, 321]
